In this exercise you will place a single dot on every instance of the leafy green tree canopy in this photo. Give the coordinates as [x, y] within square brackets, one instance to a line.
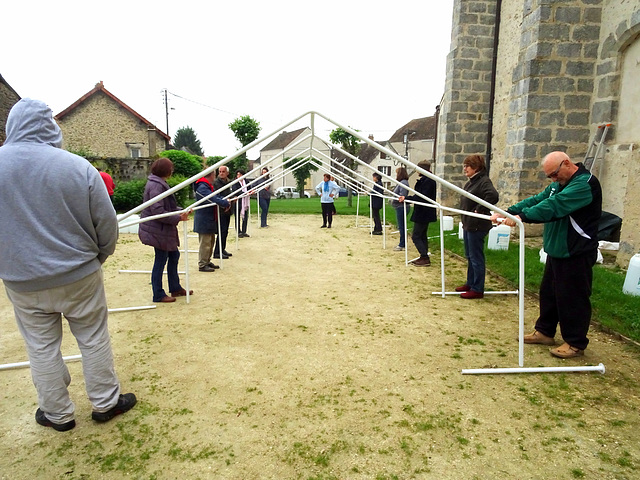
[301, 174]
[184, 163]
[347, 141]
[186, 137]
[246, 130]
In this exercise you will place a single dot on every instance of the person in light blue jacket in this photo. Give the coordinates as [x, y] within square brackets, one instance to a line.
[328, 190]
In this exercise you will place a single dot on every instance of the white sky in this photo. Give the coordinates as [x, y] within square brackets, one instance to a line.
[372, 66]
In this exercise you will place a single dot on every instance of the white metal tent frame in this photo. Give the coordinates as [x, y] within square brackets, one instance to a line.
[443, 183]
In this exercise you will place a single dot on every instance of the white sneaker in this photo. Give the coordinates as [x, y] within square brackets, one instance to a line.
[398, 249]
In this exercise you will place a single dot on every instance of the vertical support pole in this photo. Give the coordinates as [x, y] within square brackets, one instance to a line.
[185, 231]
[442, 252]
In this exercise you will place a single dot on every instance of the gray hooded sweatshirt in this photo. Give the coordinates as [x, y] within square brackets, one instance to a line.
[57, 223]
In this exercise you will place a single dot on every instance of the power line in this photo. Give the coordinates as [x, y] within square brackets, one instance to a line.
[202, 104]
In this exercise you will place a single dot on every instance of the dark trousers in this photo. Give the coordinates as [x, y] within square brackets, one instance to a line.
[327, 213]
[264, 210]
[241, 221]
[419, 237]
[161, 259]
[474, 251]
[225, 220]
[564, 298]
[377, 224]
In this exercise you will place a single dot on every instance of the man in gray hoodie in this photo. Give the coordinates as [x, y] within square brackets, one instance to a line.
[57, 227]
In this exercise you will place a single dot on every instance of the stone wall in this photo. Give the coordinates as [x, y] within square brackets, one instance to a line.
[124, 169]
[563, 68]
[8, 98]
[104, 128]
[464, 113]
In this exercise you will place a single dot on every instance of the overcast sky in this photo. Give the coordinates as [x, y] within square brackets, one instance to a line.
[372, 66]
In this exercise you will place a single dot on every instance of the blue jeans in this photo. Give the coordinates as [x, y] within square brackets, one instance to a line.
[162, 256]
[474, 251]
[402, 228]
[264, 210]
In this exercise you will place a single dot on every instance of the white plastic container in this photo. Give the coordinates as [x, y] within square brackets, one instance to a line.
[460, 231]
[632, 280]
[131, 228]
[499, 238]
[447, 223]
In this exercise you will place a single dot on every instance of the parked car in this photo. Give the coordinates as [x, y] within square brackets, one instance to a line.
[342, 192]
[289, 192]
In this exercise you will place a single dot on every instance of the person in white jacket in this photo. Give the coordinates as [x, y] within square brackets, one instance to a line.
[328, 190]
[57, 227]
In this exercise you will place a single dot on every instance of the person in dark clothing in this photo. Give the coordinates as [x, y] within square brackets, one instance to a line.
[376, 203]
[205, 222]
[225, 214]
[264, 195]
[422, 215]
[475, 229]
[570, 208]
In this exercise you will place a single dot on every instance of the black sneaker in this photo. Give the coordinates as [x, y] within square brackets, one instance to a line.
[41, 419]
[212, 265]
[207, 268]
[125, 403]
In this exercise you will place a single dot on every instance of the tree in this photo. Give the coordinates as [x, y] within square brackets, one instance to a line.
[186, 137]
[246, 130]
[349, 144]
[301, 174]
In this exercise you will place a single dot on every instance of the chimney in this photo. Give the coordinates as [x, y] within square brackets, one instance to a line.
[371, 136]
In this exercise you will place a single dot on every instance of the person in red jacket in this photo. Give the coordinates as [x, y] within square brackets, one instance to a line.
[108, 182]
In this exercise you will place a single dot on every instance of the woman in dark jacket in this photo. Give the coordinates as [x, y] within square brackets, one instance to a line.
[422, 215]
[475, 229]
[264, 196]
[162, 233]
[376, 203]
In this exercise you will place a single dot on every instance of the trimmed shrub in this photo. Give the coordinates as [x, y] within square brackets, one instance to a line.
[128, 195]
[184, 163]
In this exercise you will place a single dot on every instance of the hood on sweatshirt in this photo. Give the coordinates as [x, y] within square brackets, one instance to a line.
[31, 121]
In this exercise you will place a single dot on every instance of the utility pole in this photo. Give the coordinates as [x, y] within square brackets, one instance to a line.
[166, 110]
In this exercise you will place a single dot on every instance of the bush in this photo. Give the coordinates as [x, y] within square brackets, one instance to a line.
[128, 195]
[184, 163]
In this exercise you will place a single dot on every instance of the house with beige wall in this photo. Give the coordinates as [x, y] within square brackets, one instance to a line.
[101, 124]
[526, 78]
[284, 140]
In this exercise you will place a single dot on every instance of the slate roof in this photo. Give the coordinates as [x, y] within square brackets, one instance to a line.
[425, 129]
[283, 140]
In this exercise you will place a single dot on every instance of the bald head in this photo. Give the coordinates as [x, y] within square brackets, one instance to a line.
[558, 167]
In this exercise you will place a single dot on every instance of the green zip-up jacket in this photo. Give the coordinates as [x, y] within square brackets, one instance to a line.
[570, 212]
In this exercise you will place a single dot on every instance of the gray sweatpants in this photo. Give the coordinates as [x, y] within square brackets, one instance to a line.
[39, 319]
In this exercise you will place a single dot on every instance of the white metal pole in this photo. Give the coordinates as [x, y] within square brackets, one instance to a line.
[384, 225]
[442, 252]
[185, 231]
[219, 240]
[370, 215]
[598, 368]
[9, 366]
[406, 229]
[237, 222]
[128, 309]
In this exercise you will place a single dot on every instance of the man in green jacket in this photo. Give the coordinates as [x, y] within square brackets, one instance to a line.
[570, 208]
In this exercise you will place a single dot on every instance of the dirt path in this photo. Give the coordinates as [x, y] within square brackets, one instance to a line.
[315, 354]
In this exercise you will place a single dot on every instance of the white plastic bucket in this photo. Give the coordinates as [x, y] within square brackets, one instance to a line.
[131, 228]
[632, 280]
[447, 223]
[460, 231]
[499, 238]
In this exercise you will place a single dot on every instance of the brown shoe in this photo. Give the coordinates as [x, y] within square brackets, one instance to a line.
[463, 288]
[566, 351]
[167, 299]
[539, 338]
[181, 293]
[422, 262]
